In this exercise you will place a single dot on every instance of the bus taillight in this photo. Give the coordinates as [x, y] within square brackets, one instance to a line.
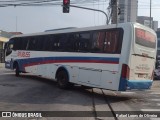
[125, 71]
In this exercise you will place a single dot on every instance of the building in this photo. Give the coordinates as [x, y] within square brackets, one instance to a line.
[129, 9]
[128, 13]
[145, 20]
[16, 33]
[4, 37]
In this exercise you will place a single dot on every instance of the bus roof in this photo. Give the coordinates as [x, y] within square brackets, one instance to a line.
[56, 31]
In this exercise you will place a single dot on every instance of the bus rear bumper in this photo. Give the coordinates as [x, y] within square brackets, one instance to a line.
[139, 84]
[134, 84]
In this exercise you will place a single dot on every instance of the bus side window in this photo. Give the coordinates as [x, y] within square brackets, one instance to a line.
[20, 43]
[17, 44]
[39, 43]
[24, 44]
[71, 43]
[48, 42]
[97, 41]
[56, 44]
[53, 43]
[63, 42]
[76, 42]
[84, 39]
[113, 41]
[32, 43]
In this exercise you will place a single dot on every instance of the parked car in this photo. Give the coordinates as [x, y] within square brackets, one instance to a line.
[157, 73]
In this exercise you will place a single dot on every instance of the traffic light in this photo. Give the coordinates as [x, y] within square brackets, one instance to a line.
[66, 4]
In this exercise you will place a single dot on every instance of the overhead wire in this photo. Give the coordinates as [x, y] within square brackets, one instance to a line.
[7, 3]
[42, 2]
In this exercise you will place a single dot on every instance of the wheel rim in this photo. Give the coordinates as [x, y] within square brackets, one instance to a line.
[62, 79]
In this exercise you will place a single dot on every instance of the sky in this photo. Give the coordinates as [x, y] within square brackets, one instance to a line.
[32, 19]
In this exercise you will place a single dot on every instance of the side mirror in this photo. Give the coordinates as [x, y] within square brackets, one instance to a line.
[11, 46]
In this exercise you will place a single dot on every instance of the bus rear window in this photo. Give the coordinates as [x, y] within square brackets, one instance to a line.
[145, 38]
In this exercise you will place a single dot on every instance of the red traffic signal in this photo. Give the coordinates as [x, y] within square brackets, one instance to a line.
[66, 4]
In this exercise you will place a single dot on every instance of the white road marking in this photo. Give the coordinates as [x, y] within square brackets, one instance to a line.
[127, 92]
[10, 73]
[155, 99]
[158, 104]
[158, 93]
[114, 93]
[150, 109]
[154, 118]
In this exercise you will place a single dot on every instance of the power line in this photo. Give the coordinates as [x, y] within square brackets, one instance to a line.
[44, 1]
[58, 2]
[41, 3]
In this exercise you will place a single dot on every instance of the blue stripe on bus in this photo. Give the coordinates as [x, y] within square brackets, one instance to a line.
[76, 58]
[47, 60]
[134, 84]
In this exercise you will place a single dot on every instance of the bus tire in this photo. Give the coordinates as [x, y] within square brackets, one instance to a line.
[62, 79]
[86, 87]
[17, 72]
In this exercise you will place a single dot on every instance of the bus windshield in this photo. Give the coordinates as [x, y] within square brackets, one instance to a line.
[145, 38]
[8, 47]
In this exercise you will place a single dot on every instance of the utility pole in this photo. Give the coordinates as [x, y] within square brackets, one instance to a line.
[114, 6]
[150, 13]
[16, 23]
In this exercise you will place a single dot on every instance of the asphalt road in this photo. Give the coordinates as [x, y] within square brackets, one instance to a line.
[31, 93]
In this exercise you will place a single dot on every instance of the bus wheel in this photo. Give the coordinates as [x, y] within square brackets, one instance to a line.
[62, 79]
[17, 70]
[86, 87]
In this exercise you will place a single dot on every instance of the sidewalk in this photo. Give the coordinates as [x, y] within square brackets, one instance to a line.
[156, 84]
[2, 65]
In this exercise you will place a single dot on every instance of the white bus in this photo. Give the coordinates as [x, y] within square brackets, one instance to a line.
[115, 57]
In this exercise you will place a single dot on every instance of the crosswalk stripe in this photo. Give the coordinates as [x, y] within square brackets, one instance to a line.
[154, 118]
[155, 99]
[158, 104]
[155, 93]
[150, 109]
[127, 92]
[7, 73]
